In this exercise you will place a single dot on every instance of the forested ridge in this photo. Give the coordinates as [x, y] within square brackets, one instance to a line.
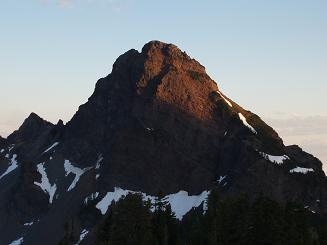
[133, 221]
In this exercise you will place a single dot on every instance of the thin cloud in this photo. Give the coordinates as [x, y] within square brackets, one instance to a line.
[309, 132]
[61, 3]
[299, 125]
[115, 5]
[65, 3]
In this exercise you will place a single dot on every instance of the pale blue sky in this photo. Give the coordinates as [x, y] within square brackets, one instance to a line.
[269, 56]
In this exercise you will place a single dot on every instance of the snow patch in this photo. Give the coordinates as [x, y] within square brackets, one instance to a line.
[98, 163]
[221, 179]
[181, 203]
[91, 197]
[308, 208]
[227, 101]
[275, 159]
[97, 176]
[17, 242]
[106, 201]
[45, 183]
[82, 236]
[29, 224]
[51, 147]
[301, 170]
[243, 119]
[205, 207]
[12, 165]
[2, 150]
[69, 168]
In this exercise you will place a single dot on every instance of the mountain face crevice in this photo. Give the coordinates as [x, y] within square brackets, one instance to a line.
[156, 123]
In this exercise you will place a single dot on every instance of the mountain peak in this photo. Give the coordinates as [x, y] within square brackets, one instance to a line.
[34, 120]
[154, 57]
[32, 126]
[33, 117]
[157, 123]
[156, 45]
[173, 55]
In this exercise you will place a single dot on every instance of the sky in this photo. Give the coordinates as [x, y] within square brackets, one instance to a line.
[269, 56]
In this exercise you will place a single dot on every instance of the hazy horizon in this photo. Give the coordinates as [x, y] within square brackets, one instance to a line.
[270, 57]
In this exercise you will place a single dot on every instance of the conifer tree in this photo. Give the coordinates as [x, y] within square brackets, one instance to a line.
[128, 224]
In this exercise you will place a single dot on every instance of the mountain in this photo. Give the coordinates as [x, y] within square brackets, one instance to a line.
[156, 124]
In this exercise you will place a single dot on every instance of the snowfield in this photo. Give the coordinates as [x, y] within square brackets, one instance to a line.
[301, 170]
[106, 201]
[180, 202]
[275, 159]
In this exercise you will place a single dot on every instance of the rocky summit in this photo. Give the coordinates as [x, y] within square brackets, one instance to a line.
[156, 124]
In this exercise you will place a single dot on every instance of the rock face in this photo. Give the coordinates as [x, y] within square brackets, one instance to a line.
[158, 122]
